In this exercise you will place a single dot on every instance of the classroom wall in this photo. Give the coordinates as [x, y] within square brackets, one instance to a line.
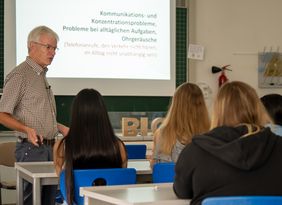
[233, 32]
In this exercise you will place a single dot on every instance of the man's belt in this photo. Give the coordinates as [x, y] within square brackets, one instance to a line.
[49, 142]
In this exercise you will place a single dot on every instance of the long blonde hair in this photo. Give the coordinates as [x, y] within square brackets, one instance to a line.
[187, 116]
[236, 103]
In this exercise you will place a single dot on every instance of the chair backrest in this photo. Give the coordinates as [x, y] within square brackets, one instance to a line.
[243, 200]
[163, 172]
[7, 153]
[7, 158]
[97, 177]
[136, 151]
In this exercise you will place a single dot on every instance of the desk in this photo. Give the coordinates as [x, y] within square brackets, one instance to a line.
[143, 169]
[43, 173]
[131, 194]
[38, 174]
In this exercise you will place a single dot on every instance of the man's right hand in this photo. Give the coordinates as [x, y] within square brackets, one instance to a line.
[33, 137]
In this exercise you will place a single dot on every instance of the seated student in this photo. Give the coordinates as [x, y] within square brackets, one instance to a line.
[91, 142]
[239, 156]
[187, 116]
[273, 105]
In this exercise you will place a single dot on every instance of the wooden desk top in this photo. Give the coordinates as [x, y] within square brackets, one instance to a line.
[47, 169]
[133, 194]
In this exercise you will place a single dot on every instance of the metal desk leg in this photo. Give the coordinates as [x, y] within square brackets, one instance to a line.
[19, 189]
[36, 195]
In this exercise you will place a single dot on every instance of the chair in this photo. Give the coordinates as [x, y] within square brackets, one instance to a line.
[97, 177]
[7, 158]
[163, 172]
[136, 151]
[243, 200]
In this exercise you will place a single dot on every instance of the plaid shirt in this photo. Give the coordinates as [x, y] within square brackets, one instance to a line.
[28, 97]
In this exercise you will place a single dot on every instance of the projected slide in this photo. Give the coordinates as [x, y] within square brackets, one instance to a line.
[112, 39]
[119, 47]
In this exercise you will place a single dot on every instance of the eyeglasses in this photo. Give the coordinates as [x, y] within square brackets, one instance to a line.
[47, 46]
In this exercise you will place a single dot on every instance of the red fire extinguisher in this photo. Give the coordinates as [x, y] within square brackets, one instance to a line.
[222, 78]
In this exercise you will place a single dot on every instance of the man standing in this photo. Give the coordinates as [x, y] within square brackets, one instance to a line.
[28, 105]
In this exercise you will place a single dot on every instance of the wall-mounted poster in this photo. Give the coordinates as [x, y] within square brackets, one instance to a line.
[270, 69]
